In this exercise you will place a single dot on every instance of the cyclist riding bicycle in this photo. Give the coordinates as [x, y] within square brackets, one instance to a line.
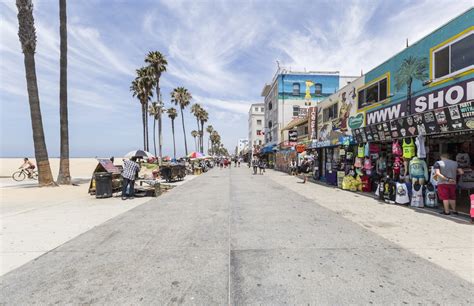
[28, 166]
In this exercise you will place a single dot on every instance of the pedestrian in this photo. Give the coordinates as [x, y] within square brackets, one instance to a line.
[293, 167]
[445, 173]
[304, 169]
[239, 160]
[130, 171]
[261, 166]
[255, 165]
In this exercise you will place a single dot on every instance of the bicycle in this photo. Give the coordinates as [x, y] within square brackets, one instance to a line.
[23, 174]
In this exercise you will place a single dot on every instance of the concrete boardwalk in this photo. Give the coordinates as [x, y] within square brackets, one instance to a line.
[231, 238]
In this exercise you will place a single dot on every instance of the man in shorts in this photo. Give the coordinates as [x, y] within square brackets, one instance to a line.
[28, 166]
[445, 172]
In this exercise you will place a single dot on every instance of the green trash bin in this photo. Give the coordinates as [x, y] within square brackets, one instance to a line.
[103, 185]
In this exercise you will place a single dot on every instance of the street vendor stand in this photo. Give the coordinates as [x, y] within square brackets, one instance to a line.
[105, 167]
[173, 172]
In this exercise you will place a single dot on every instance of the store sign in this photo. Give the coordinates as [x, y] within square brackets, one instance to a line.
[313, 116]
[356, 121]
[300, 148]
[449, 95]
[287, 144]
[292, 135]
[452, 118]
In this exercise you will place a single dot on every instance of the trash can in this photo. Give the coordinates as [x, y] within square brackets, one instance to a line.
[103, 185]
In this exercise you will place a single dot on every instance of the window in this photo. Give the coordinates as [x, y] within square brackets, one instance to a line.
[330, 113]
[318, 88]
[259, 142]
[374, 93]
[270, 124]
[256, 109]
[259, 132]
[454, 57]
[305, 130]
[296, 110]
[259, 122]
[270, 106]
[296, 89]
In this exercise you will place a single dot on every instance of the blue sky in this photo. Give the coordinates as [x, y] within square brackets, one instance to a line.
[222, 51]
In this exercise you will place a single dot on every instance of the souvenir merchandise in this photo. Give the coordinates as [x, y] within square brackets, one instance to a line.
[389, 191]
[368, 166]
[418, 170]
[359, 182]
[472, 207]
[420, 146]
[358, 162]
[433, 179]
[367, 149]
[374, 148]
[396, 149]
[466, 180]
[381, 165]
[401, 196]
[431, 198]
[361, 151]
[397, 164]
[365, 183]
[417, 196]
[463, 159]
[408, 148]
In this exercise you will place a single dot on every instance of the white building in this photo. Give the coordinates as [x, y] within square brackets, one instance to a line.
[242, 146]
[256, 125]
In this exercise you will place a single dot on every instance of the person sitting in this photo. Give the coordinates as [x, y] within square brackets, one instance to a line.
[28, 166]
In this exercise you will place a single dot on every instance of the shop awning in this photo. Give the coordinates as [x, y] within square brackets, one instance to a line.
[268, 149]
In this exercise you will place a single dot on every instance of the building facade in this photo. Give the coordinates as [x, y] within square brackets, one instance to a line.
[256, 126]
[242, 146]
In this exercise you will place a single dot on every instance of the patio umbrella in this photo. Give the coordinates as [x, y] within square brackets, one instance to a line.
[195, 155]
[139, 153]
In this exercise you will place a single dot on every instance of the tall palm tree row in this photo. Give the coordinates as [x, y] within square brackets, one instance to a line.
[27, 36]
[172, 114]
[195, 133]
[157, 62]
[209, 130]
[181, 97]
[142, 89]
[64, 175]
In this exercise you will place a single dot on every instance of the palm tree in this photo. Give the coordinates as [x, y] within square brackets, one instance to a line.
[64, 175]
[27, 36]
[148, 82]
[203, 117]
[172, 114]
[195, 110]
[142, 89]
[412, 68]
[154, 110]
[209, 130]
[182, 97]
[215, 139]
[195, 133]
[158, 63]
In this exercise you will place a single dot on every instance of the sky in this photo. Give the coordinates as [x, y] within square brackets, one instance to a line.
[223, 52]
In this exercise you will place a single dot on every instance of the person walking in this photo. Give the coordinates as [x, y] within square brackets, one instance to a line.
[255, 165]
[239, 160]
[445, 172]
[130, 171]
[261, 166]
[304, 169]
[293, 167]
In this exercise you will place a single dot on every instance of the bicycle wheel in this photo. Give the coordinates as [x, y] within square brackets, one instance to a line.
[19, 176]
[34, 176]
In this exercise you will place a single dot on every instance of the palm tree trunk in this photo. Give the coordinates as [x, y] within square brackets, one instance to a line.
[195, 144]
[45, 177]
[146, 127]
[154, 135]
[64, 176]
[174, 142]
[160, 122]
[409, 97]
[143, 126]
[160, 135]
[202, 137]
[184, 133]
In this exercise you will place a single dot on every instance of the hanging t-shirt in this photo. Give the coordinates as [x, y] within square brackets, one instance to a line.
[408, 148]
[360, 150]
[358, 162]
[396, 166]
[463, 159]
[420, 146]
[417, 196]
[401, 196]
[365, 183]
[368, 166]
[367, 149]
[431, 199]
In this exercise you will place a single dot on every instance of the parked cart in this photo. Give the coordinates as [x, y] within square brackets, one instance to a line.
[173, 172]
